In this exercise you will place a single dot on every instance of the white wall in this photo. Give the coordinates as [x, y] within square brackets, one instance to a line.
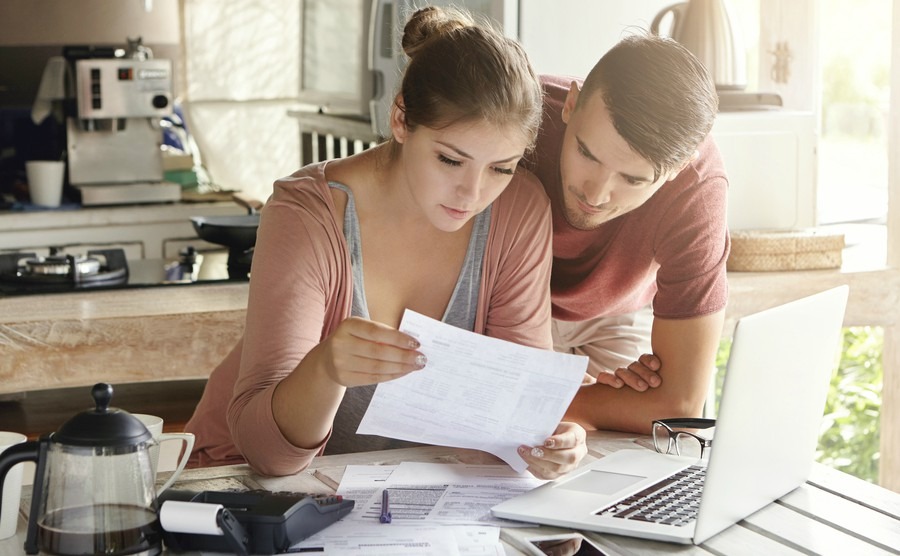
[242, 76]
[567, 37]
[794, 24]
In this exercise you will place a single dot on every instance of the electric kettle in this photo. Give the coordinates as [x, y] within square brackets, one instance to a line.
[94, 489]
[704, 27]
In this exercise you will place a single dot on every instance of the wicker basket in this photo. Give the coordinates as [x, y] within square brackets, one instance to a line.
[765, 250]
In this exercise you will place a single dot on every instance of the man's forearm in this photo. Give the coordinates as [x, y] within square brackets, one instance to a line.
[687, 350]
[623, 409]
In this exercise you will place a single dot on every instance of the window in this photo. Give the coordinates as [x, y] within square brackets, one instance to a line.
[855, 52]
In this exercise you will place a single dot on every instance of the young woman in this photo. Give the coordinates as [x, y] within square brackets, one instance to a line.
[439, 220]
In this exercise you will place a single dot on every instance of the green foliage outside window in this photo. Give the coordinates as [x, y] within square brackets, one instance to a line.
[849, 438]
[850, 432]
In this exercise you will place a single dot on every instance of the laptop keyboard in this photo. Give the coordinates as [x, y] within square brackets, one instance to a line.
[672, 501]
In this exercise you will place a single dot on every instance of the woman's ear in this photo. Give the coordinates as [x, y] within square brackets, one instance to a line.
[398, 120]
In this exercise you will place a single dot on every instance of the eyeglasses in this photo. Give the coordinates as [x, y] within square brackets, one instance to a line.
[668, 440]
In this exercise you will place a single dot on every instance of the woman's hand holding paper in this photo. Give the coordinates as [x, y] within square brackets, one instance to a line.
[560, 453]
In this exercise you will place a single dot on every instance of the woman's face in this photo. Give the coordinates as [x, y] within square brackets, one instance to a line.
[456, 172]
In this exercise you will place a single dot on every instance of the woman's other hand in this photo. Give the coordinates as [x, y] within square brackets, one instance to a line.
[361, 352]
[559, 454]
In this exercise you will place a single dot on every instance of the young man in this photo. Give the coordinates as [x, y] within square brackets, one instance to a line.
[640, 240]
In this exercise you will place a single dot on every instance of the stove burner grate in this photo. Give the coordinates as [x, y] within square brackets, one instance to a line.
[101, 267]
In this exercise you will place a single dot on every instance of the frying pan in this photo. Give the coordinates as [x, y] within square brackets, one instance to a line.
[237, 232]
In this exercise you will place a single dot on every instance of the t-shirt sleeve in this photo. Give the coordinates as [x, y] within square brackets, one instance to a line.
[514, 303]
[692, 246]
[293, 264]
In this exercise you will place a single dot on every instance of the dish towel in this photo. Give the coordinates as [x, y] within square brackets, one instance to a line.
[52, 87]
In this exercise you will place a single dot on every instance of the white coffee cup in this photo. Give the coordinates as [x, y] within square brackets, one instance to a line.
[12, 487]
[186, 440]
[45, 181]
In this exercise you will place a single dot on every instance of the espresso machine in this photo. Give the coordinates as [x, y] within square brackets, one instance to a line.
[113, 132]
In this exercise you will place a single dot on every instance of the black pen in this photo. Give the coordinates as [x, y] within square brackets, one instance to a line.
[385, 507]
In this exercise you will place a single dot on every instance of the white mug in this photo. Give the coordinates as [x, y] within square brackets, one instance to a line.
[45, 181]
[155, 425]
[12, 488]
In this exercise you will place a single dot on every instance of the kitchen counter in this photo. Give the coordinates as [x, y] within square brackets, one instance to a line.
[118, 336]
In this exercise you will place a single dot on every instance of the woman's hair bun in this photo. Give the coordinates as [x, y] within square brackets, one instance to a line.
[430, 22]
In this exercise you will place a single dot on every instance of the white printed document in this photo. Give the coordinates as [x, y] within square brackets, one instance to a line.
[444, 493]
[346, 538]
[450, 514]
[475, 392]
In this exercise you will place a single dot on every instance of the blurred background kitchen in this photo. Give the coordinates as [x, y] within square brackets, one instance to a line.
[244, 79]
[238, 69]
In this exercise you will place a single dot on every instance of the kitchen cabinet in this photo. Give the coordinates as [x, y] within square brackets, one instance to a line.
[770, 157]
[144, 231]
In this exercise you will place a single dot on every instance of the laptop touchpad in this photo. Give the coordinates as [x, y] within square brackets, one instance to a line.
[600, 482]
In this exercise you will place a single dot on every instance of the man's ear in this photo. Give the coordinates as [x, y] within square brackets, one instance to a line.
[677, 170]
[398, 120]
[571, 99]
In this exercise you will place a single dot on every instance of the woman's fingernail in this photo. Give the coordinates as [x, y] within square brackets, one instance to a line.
[537, 452]
[549, 443]
[421, 361]
[414, 344]
[523, 450]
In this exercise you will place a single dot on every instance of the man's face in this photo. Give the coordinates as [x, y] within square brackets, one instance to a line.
[602, 177]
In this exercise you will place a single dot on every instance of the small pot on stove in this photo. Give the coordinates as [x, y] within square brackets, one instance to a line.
[238, 233]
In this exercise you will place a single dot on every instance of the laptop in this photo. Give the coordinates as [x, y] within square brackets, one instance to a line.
[766, 434]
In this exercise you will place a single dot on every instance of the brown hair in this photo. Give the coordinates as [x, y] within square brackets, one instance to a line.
[459, 71]
[661, 99]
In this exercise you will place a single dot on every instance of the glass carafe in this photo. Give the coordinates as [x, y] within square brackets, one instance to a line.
[94, 490]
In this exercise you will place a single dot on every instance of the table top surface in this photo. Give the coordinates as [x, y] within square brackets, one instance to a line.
[832, 513]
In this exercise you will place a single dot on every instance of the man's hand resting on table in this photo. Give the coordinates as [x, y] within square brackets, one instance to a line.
[639, 375]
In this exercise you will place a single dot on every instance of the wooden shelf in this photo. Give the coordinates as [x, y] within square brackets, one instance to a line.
[874, 294]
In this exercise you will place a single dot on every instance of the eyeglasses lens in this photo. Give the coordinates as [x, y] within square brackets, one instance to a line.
[687, 445]
[676, 442]
[662, 439]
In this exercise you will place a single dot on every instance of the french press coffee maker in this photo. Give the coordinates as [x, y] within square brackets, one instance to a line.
[94, 489]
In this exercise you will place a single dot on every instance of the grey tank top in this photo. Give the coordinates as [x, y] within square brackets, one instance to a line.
[460, 312]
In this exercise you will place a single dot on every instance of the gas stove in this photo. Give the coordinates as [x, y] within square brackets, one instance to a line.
[25, 273]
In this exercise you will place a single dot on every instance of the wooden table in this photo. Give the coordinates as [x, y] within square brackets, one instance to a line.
[833, 513]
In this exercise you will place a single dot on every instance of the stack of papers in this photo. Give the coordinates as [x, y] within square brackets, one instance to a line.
[440, 509]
